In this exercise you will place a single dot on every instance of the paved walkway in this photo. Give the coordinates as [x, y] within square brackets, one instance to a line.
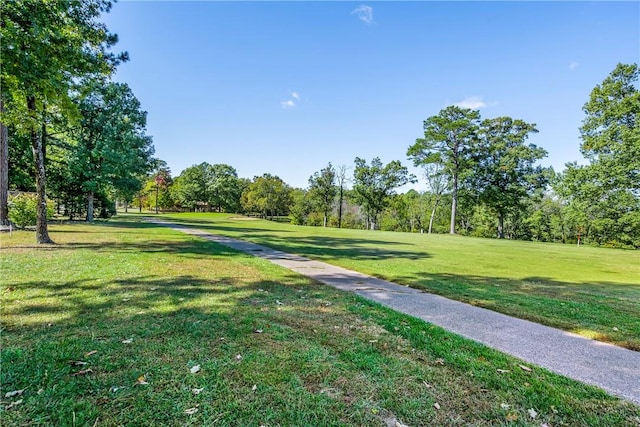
[614, 369]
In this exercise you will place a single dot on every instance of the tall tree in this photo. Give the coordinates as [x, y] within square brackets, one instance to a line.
[437, 184]
[4, 171]
[604, 196]
[504, 170]
[374, 184]
[112, 142]
[268, 195]
[323, 190]
[47, 47]
[448, 138]
[224, 188]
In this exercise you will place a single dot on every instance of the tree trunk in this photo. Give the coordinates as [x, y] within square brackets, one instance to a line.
[433, 214]
[37, 147]
[500, 226]
[340, 207]
[4, 172]
[324, 220]
[454, 205]
[90, 207]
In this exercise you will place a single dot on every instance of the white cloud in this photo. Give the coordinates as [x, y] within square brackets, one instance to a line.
[365, 13]
[573, 65]
[289, 103]
[295, 95]
[472, 102]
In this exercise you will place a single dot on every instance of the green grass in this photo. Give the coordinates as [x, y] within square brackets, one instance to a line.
[594, 292]
[128, 300]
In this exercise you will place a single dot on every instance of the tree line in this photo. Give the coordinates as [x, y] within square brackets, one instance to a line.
[73, 136]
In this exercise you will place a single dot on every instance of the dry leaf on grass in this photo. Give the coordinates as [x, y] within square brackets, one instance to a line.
[78, 363]
[512, 417]
[91, 353]
[532, 412]
[505, 406]
[502, 371]
[440, 361]
[436, 405]
[191, 411]
[82, 372]
[279, 303]
[238, 357]
[257, 331]
[525, 368]
[142, 380]
[399, 424]
[195, 369]
[14, 393]
[254, 388]
[128, 341]
[197, 390]
[13, 404]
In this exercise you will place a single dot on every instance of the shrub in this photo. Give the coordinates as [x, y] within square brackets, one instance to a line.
[23, 209]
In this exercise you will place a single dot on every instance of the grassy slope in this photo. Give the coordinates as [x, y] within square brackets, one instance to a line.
[591, 291]
[323, 357]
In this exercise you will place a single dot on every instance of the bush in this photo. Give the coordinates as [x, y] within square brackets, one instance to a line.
[23, 209]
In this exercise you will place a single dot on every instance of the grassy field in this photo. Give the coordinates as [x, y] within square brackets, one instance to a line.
[593, 292]
[126, 323]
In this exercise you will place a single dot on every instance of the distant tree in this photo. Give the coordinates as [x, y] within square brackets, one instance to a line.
[267, 195]
[112, 144]
[224, 188]
[4, 171]
[448, 138]
[191, 187]
[323, 190]
[341, 177]
[373, 184]
[437, 184]
[47, 47]
[504, 170]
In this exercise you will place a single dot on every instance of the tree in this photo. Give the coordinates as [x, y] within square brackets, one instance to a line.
[375, 183]
[437, 184]
[224, 188]
[112, 145]
[604, 196]
[47, 47]
[504, 171]
[342, 182]
[323, 190]
[448, 138]
[268, 195]
[4, 171]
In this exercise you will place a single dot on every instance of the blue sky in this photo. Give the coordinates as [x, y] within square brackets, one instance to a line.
[286, 87]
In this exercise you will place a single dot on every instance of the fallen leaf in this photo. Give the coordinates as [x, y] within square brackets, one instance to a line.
[238, 357]
[427, 385]
[525, 368]
[373, 341]
[154, 289]
[91, 353]
[440, 361]
[399, 424]
[12, 404]
[257, 331]
[126, 299]
[129, 341]
[502, 371]
[82, 372]
[512, 417]
[505, 406]
[545, 425]
[14, 393]
[142, 380]
[254, 388]
[436, 405]
[279, 303]
[195, 369]
[191, 411]
[197, 390]
[532, 412]
[40, 391]
[78, 363]
[114, 389]
[615, 329]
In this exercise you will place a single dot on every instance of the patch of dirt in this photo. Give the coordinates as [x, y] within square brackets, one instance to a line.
[243, 218]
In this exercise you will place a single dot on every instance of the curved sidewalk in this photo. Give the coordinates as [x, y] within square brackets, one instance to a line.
[614, 369]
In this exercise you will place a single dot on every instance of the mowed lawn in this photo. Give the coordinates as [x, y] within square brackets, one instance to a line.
[594, 292]
[127, 323]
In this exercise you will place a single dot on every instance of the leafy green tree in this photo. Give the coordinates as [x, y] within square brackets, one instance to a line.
[448, 139]
[341, 178]
[191, 187]
[224, 188]
[374, 184]
[604, 196]
[504, 170]
[112, 144]
[323, 190]
[267, 195]
[47, 47]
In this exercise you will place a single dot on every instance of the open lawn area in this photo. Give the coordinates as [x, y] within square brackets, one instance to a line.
[128, 323]
[594, 292]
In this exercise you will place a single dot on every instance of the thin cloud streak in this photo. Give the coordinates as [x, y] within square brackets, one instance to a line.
[364, 13]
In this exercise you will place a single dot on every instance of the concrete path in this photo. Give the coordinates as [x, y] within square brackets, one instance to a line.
[614, 369]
